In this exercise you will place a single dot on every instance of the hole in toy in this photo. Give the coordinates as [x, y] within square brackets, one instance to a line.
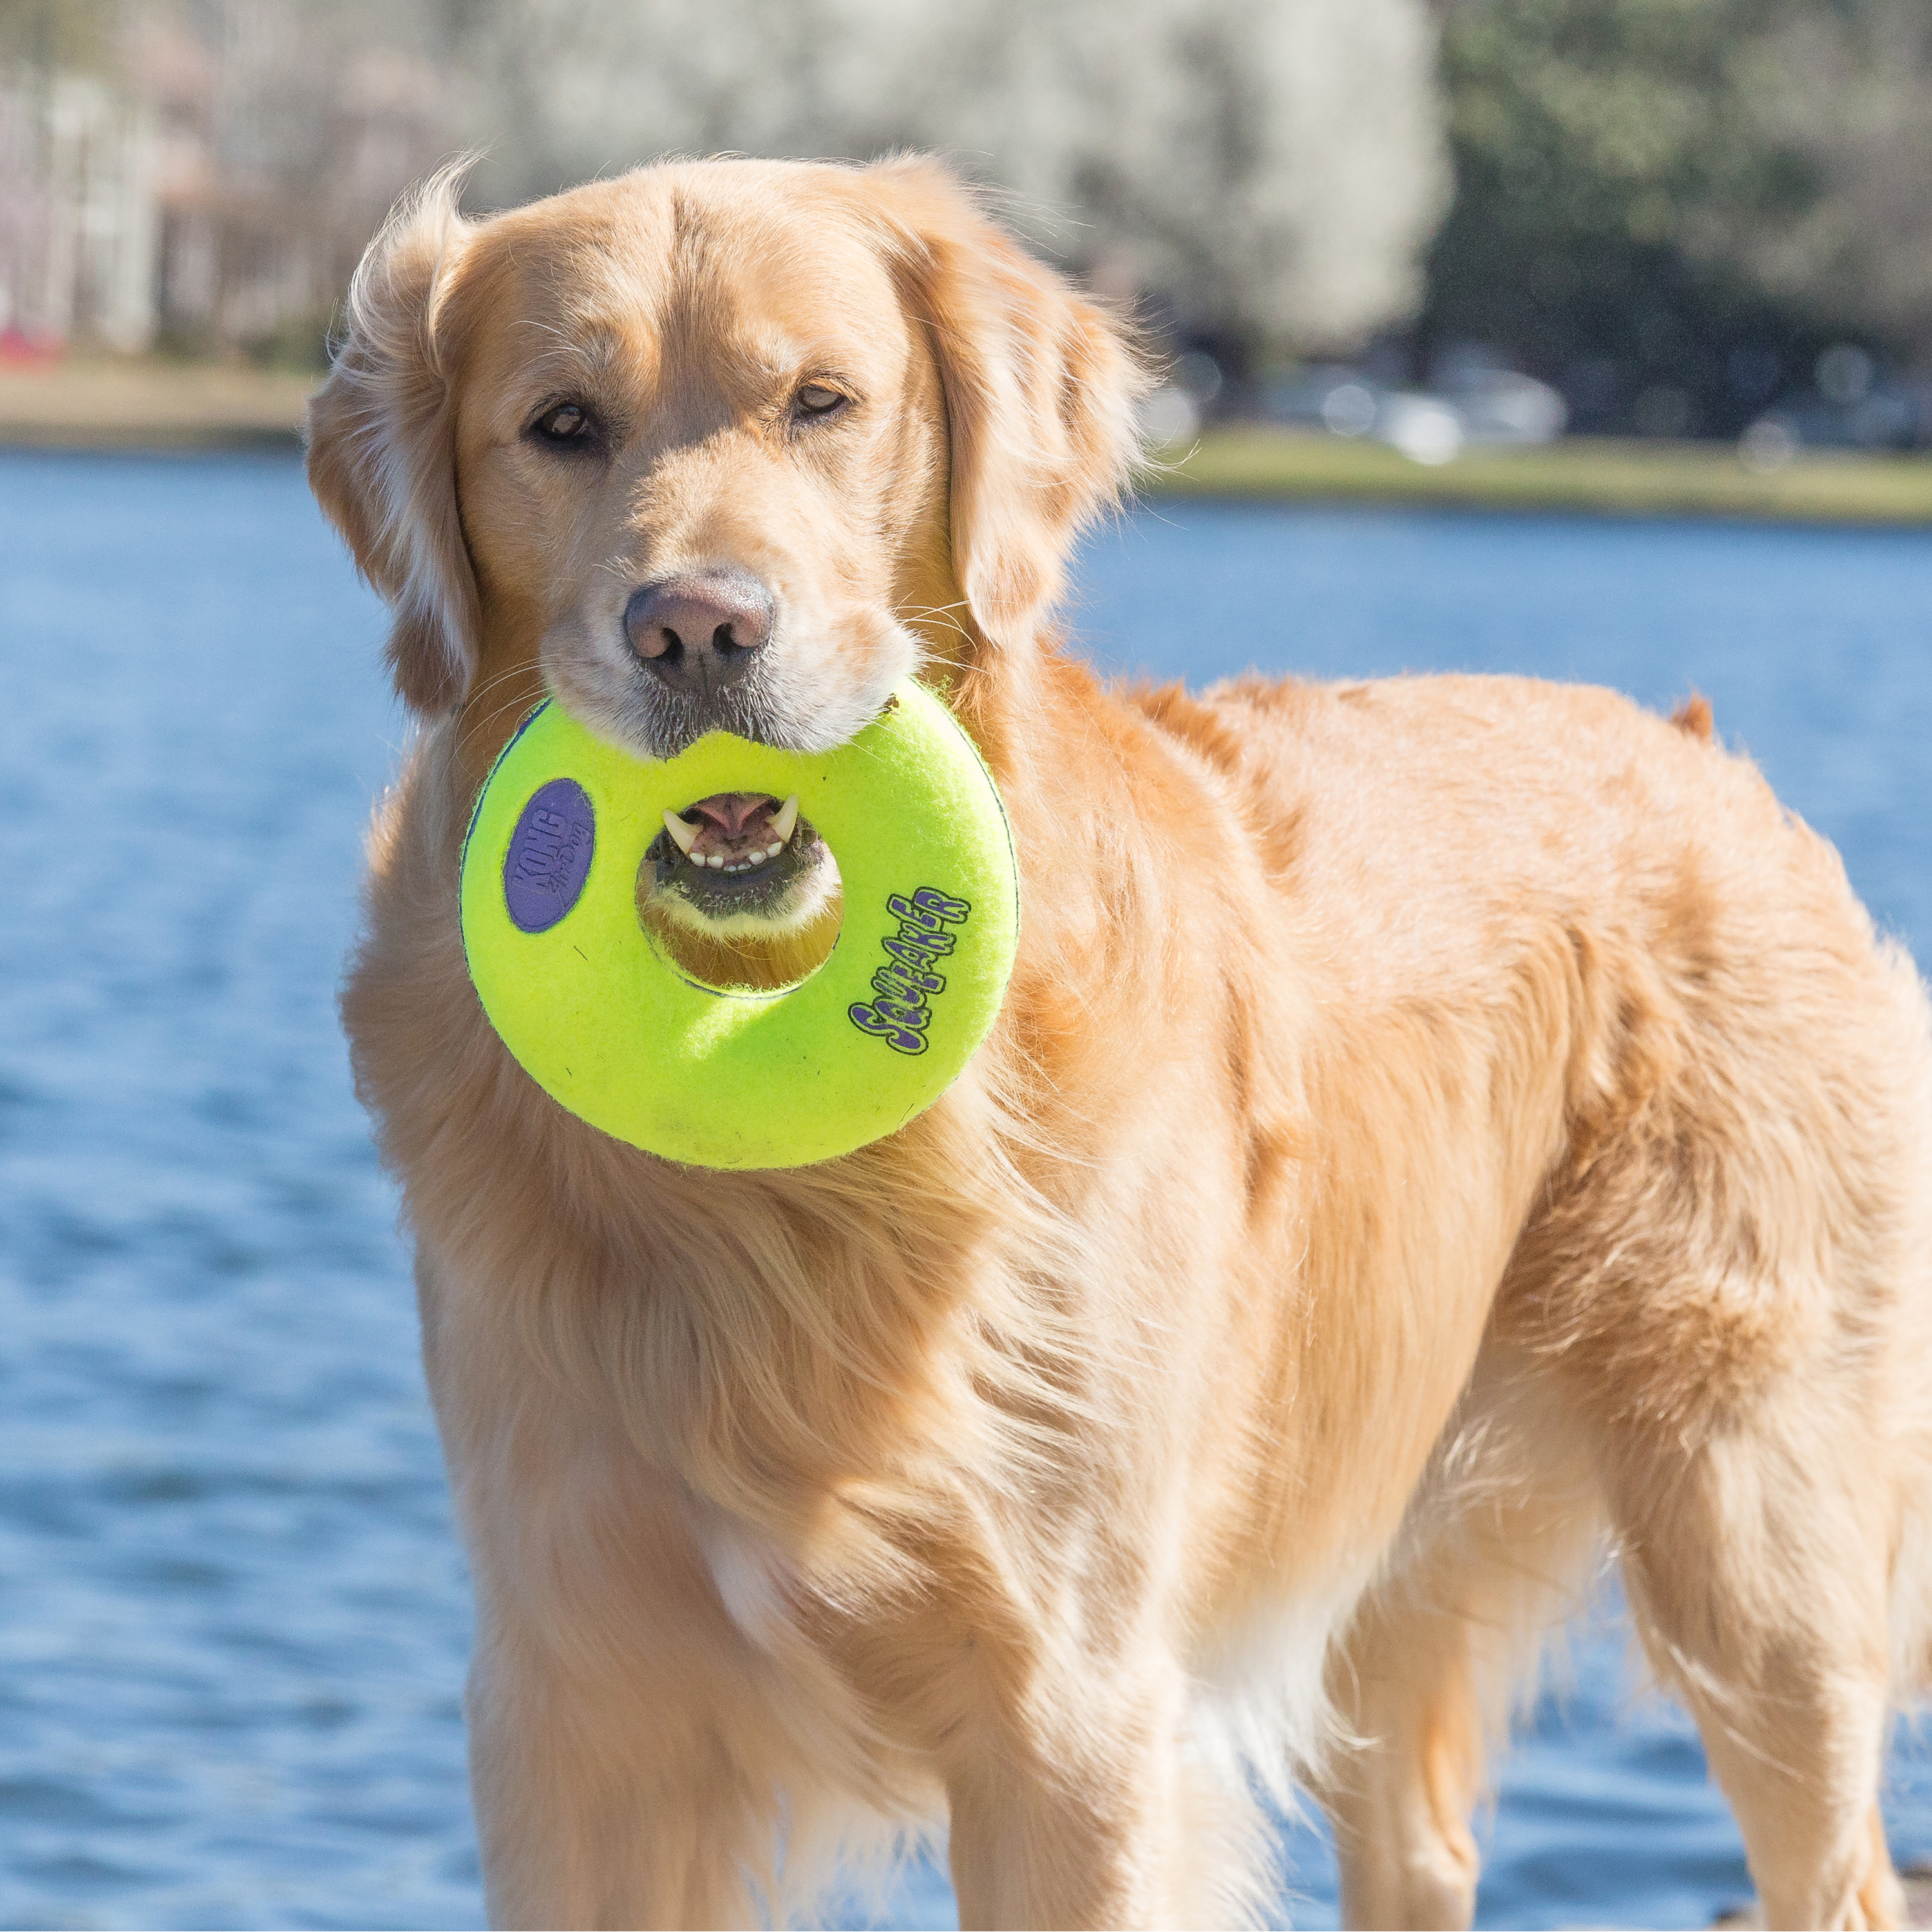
[733, 905]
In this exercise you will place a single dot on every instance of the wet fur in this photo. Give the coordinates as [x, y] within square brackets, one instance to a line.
[1438, 1129]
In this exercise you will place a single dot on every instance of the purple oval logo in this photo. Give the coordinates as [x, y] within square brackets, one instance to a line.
[549, 857]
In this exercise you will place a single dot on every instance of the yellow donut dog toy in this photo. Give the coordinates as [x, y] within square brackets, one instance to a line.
[611, 1028]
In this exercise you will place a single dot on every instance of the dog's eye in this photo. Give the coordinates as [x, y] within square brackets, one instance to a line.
[816, 400]
[565, 423]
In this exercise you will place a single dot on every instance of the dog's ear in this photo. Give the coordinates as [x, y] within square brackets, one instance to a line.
[381, 450]
[1042, 388]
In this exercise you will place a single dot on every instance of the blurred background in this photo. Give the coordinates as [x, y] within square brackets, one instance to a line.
[1576, 338]
[1434, 222]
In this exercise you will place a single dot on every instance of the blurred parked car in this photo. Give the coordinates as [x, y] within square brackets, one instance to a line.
[1894, 415]
[1172, 414]
[1852, 407]
[1471, 401]
[1169, 416]
[1499, 404]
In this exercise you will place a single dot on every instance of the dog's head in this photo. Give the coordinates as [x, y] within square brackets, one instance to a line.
[729, 446]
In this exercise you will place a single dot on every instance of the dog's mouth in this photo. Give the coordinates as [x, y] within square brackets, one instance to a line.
[736, 852]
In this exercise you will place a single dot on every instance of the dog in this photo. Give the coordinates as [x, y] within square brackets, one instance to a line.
[1437, 1129]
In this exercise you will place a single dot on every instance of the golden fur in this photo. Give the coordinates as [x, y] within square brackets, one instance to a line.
[1436, 1126]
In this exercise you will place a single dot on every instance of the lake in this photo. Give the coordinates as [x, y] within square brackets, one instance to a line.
[233, 1618]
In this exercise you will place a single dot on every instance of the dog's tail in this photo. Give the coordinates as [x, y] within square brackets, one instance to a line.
[1693, 717]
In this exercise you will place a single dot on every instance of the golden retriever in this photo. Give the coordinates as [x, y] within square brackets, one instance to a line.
[1436, 1127]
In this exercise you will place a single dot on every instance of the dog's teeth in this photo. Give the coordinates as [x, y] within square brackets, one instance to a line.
[772, 851]
[715, 861]
[683, 835]
[787, 817]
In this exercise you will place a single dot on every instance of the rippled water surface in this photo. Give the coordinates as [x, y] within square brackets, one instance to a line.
[233, 1617]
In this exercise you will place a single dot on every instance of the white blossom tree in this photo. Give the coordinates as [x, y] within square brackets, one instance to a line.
[1267, 169]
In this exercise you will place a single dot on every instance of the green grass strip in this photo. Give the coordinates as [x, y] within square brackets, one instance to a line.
[1590, 475]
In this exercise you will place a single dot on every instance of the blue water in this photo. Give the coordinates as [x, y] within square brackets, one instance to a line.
[233, 1617]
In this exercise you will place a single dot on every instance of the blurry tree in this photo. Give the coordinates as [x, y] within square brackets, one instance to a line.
[1676, 203]
[45, 34]
[1847, 87]
[1268, 171]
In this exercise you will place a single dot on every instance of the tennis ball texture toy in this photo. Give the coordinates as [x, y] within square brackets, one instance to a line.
[611, 1027]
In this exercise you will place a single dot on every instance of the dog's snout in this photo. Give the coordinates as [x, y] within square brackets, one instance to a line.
[698, 632]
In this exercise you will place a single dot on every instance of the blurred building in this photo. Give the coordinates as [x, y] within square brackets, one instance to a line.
[79, 221]
[210, 189]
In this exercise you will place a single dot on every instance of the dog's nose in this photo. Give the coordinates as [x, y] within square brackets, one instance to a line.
[698, 632]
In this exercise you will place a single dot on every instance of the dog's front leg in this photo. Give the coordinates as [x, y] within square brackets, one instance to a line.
[623, 1758]
[604, 1799]
[1091, 1818]
[1026, 1853]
